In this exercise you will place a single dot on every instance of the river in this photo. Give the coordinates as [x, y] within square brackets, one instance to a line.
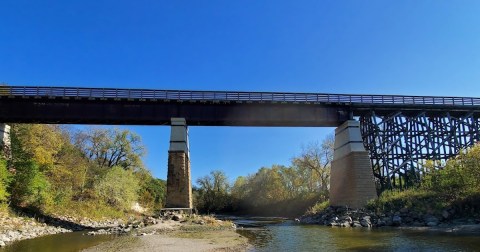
[276, 234]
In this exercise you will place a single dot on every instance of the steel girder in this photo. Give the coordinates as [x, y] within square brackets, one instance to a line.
[400, 144]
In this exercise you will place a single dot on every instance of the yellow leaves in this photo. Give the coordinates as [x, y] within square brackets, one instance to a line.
[42, 142]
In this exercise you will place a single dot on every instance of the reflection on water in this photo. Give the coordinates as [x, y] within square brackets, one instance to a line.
[68, 242]
[281, 235]
[276, 234]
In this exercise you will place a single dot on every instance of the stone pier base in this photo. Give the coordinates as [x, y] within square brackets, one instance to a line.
[179, 186]
[5, 144]
[351, 179]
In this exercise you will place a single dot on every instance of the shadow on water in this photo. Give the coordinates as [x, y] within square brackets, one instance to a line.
[278, 234]
[68, 242]
[285, 235]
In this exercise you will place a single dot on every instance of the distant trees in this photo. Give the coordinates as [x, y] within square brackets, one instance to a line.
[275, 190]
[213, 193]
[317, 158]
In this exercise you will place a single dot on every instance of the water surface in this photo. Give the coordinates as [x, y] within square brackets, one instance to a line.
[276, 234]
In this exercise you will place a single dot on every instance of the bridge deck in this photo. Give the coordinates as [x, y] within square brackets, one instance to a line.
[147, 106]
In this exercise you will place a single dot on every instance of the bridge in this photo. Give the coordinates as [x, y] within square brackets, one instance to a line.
[387, 138]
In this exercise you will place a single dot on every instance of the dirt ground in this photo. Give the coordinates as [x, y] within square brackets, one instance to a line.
[172, 236]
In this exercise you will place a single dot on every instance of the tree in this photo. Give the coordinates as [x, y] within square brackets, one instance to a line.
[318, 158]
[213, 191]
[4, 181]
[111, 147]
[118, 188]
[30, 186]
[38, 142]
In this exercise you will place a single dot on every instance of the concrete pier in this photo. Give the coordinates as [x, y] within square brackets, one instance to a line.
[351, 180]
[5, 143]
[179, 187]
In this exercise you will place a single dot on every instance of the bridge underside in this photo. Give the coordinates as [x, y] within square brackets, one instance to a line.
[138, 112]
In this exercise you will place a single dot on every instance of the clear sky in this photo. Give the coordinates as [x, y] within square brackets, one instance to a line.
[383, 47]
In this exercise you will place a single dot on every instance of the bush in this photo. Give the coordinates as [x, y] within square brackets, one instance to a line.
[118, 188]
[30, 186]
[4, 181]
[456, 186]
[318, 207]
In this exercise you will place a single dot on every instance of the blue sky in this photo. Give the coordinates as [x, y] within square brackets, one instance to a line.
[382, 47]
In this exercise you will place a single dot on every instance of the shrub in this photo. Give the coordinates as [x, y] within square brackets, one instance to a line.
[4, 181]
[118, 188]
[318, 207]
[30, 186]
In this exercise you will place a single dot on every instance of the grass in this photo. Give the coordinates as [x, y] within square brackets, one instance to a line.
[318, 207]
[91, 209]
[427, 201]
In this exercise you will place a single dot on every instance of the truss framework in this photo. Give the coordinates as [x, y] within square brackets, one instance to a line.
[401, 144]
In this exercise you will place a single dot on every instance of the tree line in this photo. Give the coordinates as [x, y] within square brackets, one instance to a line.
[276, 190]
[61, 169]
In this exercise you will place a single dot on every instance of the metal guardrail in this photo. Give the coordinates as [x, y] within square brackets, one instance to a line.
[73, 92]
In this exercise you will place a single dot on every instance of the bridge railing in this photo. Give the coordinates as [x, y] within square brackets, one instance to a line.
[73, 92]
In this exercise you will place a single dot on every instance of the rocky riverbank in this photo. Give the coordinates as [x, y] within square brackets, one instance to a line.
[13, 228]
[177, 232]
[344, 217]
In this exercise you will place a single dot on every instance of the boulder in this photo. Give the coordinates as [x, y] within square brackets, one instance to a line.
[445, 214]
[356, 224]
[396, 220]
[365, 222]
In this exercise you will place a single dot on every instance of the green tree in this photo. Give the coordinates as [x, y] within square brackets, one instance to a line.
[4, 181]
[118, 188]
[38, 142]
[30, 186]
[111, 147]
[213, 192]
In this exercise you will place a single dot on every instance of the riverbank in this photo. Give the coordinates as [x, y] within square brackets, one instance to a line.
[14, 228]
[345, 217]
[175, 230]
[185, 233]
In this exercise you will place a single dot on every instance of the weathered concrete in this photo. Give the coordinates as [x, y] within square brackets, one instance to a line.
[5, 143]
[351, 180]
[179, 187]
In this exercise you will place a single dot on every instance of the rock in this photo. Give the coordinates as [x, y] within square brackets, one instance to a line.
[408, 220]
[333, 224]
[365, 222]
[356, 224]
[347, 218]
[432, 224]
[396, 220]
[430, 218]
[445, 214]
[381, 223]
[2, 244]
[345, 224]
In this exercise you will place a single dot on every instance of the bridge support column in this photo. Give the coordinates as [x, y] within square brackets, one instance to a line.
[179, 186]
[5, 143]
[351, 178]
